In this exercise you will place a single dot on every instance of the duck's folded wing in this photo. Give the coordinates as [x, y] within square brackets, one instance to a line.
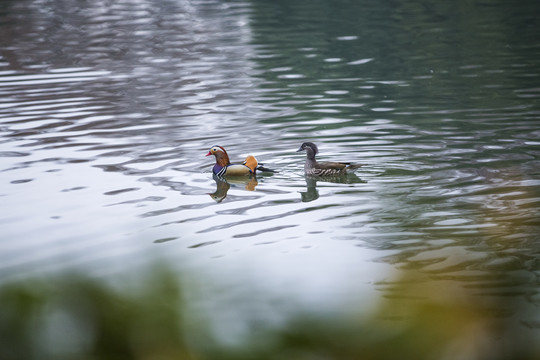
[332, 165]
[237, 170]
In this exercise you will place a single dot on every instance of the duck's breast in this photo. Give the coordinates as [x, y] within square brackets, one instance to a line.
[218, 169]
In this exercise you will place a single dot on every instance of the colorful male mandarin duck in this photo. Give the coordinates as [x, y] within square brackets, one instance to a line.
[223, 166]
[312, 167]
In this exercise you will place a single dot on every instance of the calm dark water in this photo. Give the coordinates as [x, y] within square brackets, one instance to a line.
[108, 108]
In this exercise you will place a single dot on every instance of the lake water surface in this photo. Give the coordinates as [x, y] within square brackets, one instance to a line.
[108, 108]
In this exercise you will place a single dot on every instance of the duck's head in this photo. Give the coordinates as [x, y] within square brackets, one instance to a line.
[221, 155]
[216, 149]
[309, 147]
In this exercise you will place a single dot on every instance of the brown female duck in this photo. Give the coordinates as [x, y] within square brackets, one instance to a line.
[313, 167]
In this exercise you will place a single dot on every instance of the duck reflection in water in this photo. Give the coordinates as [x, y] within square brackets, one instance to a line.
[223, 185]
[312, 193]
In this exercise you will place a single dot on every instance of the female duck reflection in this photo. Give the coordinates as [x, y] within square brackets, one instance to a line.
[225, 172]
[312, 193]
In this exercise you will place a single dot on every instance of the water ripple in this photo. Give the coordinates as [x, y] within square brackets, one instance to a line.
[106, 117]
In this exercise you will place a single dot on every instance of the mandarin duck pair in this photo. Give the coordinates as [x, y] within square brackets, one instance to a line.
[223, 166]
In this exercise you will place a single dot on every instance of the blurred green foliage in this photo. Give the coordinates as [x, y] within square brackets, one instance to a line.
[74, 317]
[77, 317]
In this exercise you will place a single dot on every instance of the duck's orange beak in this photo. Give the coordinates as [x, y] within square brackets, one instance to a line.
[209, 153]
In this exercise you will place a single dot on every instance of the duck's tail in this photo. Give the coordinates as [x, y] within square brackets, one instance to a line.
[264, 169]
[353, 167]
